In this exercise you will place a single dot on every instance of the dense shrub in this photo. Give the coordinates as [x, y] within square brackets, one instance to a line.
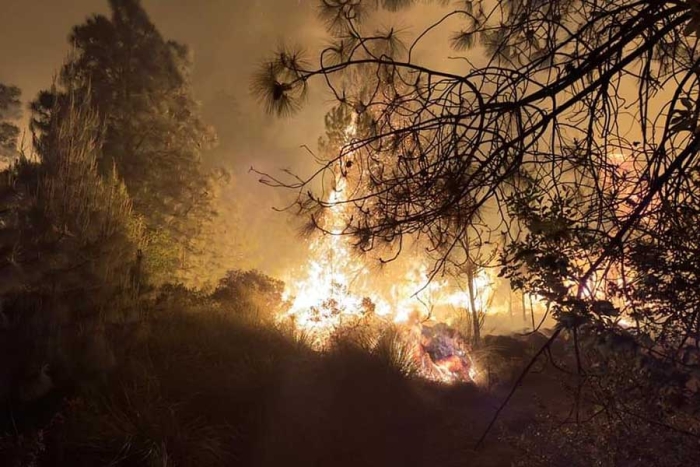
[251, 293]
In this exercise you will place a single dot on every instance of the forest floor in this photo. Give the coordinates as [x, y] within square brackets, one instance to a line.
[188, 386]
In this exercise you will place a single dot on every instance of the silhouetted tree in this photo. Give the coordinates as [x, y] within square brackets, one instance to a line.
[139, 85]
[68, 242]
[9, 111]
[62, 215]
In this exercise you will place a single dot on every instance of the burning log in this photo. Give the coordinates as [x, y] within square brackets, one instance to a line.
[444, 354]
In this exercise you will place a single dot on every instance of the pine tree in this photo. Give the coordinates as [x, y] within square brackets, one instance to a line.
[139, 85]
[69, 255]
[65, 227]
[9, 111]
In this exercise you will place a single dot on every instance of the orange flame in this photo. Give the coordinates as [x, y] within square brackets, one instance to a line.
[336, 290]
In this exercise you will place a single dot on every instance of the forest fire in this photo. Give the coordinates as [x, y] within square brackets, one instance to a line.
[323, 307]
[336, 292]
[501, 254]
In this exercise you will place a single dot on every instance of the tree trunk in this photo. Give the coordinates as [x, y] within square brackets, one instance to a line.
[476, 325]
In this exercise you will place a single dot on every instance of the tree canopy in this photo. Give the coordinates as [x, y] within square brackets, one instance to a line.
[9, 111]
[139, 84]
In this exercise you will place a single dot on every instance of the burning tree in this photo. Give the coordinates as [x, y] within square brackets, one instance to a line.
[568, 138]
[334, 298]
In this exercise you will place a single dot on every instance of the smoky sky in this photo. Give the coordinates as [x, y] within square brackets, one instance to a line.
[229, 39]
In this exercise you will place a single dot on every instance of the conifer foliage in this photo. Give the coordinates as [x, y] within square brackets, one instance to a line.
[9, 111]
[138, 84]
[69, 243]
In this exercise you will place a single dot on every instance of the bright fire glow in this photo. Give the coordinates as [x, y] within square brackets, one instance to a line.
[336, 291]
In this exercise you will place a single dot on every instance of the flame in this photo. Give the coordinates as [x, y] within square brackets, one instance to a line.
[335, 290]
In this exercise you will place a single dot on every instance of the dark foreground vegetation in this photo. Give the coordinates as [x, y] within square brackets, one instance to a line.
[120, 343]
[205, 381]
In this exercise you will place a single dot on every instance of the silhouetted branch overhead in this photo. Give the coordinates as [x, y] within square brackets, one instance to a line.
[568, 124]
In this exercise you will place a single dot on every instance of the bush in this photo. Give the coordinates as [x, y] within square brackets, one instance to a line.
[250, 293]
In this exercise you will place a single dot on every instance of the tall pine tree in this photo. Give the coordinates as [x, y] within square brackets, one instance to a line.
[139, 84]
[9, 111]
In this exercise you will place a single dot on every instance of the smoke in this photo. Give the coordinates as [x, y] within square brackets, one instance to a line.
[229, 40]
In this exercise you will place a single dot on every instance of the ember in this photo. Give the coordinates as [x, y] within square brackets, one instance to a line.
[447, 354]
